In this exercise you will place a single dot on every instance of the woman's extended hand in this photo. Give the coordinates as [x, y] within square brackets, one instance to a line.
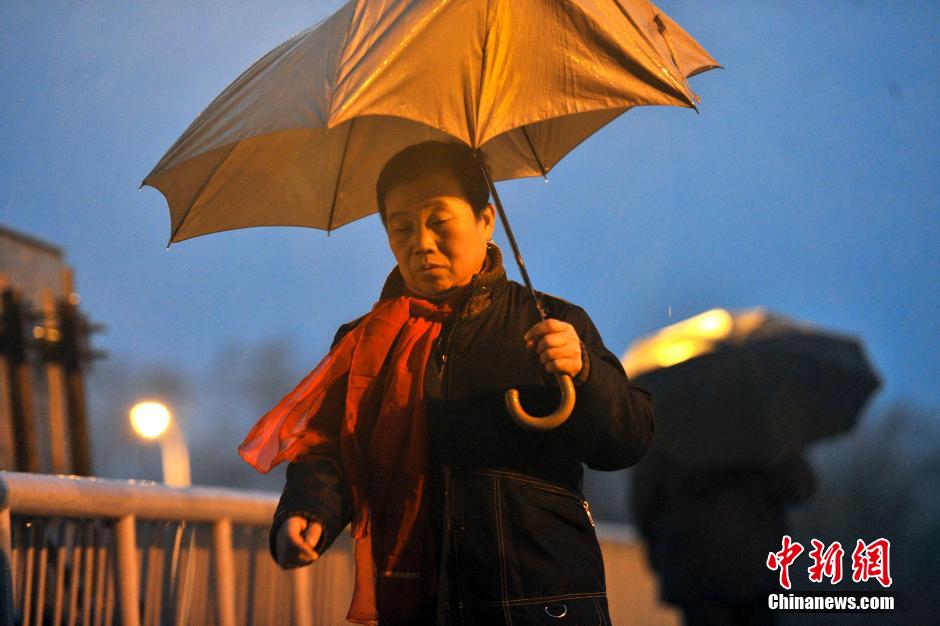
[295, 541]
[558, 346]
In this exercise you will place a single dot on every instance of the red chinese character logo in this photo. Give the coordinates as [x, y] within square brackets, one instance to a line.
[826, 563]
[872, 560]
[782, 560]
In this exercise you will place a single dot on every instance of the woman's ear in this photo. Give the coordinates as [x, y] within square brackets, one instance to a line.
[488, 218]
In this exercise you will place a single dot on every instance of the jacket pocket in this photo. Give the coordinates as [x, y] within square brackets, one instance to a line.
[546, 541]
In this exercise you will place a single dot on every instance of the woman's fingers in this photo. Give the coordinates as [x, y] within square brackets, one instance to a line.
[547, 326]
[556, 362]
[312, 536]
[552, 340]
[296, 549]
[557, 345]
[292, 546]
[550, 333]
[552, 355]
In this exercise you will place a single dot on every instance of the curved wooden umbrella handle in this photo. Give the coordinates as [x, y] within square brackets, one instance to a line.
[553, 420]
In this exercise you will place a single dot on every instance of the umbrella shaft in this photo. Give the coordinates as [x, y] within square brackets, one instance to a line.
[512, 240]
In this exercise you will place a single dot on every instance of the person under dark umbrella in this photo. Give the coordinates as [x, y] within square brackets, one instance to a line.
[741, 397]
[708, 532]
[460, 515]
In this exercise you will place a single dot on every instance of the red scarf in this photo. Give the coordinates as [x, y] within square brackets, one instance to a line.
[363, 406]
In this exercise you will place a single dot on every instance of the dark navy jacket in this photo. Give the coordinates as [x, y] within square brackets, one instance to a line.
[513, 532]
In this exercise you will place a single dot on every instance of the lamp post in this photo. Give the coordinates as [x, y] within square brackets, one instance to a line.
[152, 421]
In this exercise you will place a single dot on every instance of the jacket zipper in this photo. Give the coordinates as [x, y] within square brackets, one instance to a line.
[587, 509]
[445, 371]
[440, 374]
[448, 344]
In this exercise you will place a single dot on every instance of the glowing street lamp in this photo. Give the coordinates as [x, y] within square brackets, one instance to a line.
[150, 419]
[153, 421]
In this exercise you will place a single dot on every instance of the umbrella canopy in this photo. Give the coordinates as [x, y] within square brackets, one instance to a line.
[300, 137]
[749, 389]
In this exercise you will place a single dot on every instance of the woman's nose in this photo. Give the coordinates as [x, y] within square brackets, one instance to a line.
[425, 241]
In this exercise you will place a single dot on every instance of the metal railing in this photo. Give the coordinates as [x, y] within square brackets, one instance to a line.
[96, 552]
[100, 552]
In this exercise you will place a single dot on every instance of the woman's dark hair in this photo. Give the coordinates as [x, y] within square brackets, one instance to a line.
[430, 157]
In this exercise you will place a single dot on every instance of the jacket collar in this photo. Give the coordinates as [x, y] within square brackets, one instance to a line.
[483, 287]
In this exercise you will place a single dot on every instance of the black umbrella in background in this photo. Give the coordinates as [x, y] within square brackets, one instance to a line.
[746, 389]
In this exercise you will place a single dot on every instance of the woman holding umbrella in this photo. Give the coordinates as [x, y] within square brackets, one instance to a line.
[459, 514]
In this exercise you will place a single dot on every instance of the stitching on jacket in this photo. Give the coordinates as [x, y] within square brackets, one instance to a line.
[453, 549]
[523, 478]
[593, 595]
[502, 554]
[600, 614]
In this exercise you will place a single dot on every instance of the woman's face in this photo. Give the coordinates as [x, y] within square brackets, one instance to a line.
[437, 240]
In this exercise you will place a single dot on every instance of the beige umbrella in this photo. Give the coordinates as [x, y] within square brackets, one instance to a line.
[300, 137]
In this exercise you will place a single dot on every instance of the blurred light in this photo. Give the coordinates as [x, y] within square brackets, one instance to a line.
[714, 324]
[150, 419]
[672, 352]
[680, 342]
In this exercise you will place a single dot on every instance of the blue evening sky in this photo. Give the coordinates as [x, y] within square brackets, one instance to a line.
[808, 184]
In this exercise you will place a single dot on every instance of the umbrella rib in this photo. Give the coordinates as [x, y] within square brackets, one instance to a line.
[479, 99]
[682, 89]
[199, 193]
[534, 153]
[339, 176]
[661, 26]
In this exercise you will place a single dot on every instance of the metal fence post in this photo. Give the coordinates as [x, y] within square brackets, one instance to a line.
[6, 562]
[303, 605]
[224, 571]
[128, 576]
